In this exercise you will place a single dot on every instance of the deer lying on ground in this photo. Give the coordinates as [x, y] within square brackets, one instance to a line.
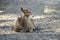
[24, 23]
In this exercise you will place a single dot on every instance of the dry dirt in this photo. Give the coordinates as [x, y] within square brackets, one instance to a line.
[47, 28]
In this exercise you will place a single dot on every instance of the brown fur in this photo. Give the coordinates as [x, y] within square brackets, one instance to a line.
[24, 24]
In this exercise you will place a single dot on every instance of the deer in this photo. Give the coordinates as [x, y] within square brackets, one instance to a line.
[24, 23]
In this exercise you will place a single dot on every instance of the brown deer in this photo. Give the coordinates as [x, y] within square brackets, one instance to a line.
[24, 23]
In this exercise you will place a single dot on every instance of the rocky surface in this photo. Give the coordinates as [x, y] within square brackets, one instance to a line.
[46, 16]
[47, 28]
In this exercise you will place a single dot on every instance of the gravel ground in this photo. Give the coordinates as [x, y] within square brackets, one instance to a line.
[47, 23]
[47, 28]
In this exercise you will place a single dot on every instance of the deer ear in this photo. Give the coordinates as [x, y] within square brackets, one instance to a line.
[21, 8]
